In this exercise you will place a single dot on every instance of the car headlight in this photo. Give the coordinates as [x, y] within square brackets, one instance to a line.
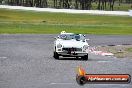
[85, 47]
[59, 45]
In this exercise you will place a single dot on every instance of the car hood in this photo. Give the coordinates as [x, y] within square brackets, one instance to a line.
[72, 43]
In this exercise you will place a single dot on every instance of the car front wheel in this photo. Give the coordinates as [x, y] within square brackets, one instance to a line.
[56, 56]
[85, 57]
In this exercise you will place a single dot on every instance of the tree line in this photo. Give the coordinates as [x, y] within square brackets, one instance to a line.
[68, 4]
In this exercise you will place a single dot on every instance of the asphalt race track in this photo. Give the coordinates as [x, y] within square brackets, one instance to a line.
[26, 61]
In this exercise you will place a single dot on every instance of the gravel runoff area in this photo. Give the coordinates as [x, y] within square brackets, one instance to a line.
[96, 12]
[26, 61]
[116, 48]
[119, 51]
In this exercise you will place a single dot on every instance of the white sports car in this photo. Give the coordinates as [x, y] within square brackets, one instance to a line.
[71, 45]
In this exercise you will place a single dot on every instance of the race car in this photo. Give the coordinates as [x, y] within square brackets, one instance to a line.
[71, 45]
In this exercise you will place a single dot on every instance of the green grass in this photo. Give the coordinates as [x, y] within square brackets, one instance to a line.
[14, 21]
[129, 49]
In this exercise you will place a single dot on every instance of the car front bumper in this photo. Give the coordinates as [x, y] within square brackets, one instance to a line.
[74, 54]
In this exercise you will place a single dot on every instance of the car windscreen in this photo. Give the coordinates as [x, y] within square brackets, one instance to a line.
[70, 36]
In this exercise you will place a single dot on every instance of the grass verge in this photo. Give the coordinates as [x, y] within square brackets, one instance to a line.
[15, 21]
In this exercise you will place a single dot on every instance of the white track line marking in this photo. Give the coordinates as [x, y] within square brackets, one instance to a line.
[103, 61]
[60, 83]
[3, 57]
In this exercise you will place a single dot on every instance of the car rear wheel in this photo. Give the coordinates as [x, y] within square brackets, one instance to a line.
[56, 55]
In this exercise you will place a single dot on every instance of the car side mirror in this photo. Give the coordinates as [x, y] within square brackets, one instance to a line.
[84, 35]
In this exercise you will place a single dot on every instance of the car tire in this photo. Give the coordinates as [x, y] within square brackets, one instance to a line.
[56, 56]
[85, 57]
